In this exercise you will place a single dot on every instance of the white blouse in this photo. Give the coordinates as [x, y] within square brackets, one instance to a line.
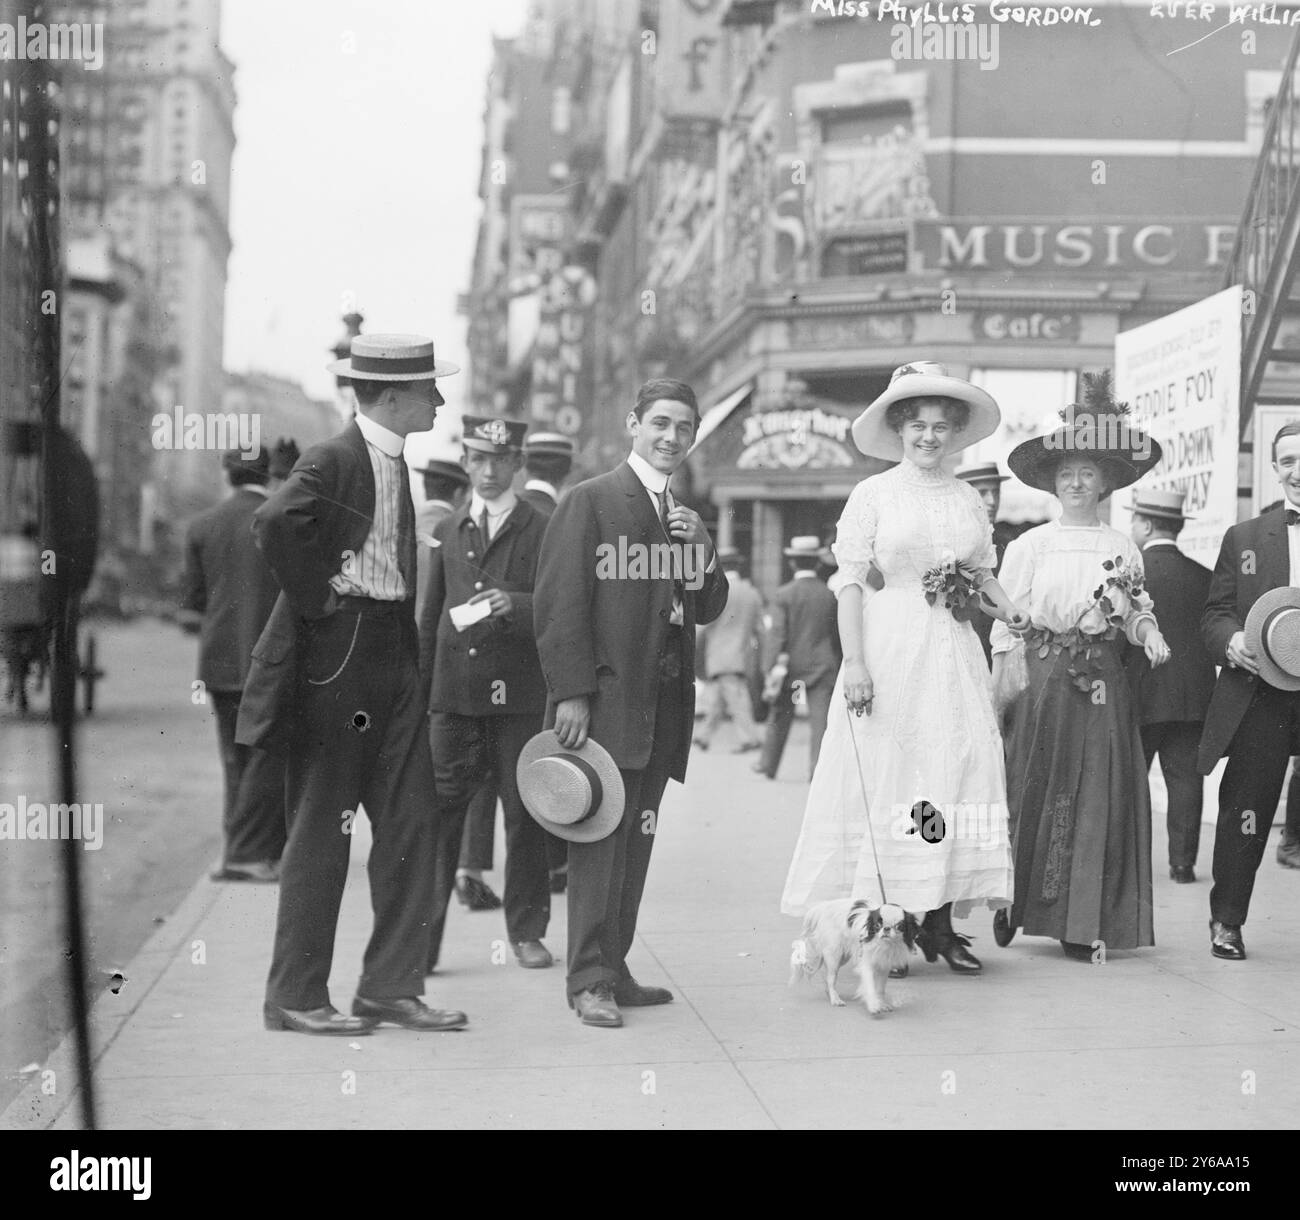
[1053, 570]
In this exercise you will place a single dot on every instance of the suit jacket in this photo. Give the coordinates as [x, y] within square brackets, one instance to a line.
[1181, 688]
[804, 625]
[464, 668]
[228, 582]
[731, 642]
[539, 500]
[307, 530]
[1259, 546]
[603, 637]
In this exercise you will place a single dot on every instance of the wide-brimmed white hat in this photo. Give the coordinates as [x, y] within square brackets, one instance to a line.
[392, 358]
[1273, 635]
[575, 794]
[924, 379]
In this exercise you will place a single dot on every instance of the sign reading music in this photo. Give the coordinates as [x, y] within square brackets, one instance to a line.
[1013, 243]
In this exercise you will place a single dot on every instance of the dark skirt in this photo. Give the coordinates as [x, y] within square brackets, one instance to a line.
[1080, 806]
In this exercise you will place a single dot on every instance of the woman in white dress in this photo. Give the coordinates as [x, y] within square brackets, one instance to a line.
[928, 749]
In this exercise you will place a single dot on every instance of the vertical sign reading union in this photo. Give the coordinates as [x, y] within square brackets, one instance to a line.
[1181, 375]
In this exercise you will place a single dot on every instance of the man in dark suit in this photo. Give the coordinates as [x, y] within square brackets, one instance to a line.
[802, 654]
[625, 575]
[227, 596]
[487, 693]
[335, 681]
[1254, 723]
[987, 480]
[548, 461]
[1172, 698]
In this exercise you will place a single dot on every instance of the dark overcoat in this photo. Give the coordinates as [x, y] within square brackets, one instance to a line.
[604, 636]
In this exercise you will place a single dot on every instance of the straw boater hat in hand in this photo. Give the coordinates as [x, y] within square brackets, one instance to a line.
[1273, 635]
[924, 379]
[1098, 429]
[575, 794]
[392, 358]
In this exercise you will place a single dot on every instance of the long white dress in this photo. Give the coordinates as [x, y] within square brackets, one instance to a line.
[931, 735]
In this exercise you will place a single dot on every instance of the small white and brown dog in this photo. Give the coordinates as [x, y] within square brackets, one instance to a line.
[876, 939]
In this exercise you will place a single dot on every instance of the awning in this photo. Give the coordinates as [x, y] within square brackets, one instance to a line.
[717, 414]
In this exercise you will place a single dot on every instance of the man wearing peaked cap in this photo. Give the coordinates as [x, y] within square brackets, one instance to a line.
[1172, 699]
[487, 695]
[335, 684]
[1254, 713]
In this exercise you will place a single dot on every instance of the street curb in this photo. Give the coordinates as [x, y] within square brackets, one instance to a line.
[35, 1110]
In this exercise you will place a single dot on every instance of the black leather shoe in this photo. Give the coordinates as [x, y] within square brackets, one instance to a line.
[1003, 932]
[1077, 952]
[326, 1020]
[630, 994]
[476, 894]
[1288, 853]
[410, 1012]
[1225, 941]
[532, 954]
[597, 1006]
[1184, 874]
[264, 872]
[952, 948]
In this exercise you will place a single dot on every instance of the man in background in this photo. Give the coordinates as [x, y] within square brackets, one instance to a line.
[731, 654]
[1172, 699]
[987, 480]
[803, 655]
[228, 592]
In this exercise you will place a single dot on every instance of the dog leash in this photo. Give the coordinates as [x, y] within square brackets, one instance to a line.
[866, 805]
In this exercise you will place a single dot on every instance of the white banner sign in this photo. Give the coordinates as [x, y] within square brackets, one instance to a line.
[1181, 375]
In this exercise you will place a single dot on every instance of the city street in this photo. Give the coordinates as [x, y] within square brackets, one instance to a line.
[149, 756]
[1161, 1038]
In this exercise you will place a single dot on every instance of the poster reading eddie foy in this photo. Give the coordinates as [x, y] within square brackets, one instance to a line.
[1181, 375]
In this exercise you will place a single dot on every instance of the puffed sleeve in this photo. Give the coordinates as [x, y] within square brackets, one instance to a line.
[1140, 607]
[1016, 579]
[855, 536]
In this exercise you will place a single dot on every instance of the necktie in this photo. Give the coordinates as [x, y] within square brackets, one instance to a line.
[1292, 517]
[679, 589]
[406, 532]
[483, 527]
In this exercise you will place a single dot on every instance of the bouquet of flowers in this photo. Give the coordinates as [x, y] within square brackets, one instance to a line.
[1102, 619]
[955, 583]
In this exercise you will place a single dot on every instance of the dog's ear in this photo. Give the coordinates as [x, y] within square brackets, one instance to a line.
[874, 924]
[911, 929]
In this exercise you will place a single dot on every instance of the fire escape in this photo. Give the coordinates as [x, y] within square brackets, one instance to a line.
[1266, 255]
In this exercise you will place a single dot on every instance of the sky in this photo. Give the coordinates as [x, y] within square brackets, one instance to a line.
[359, 128]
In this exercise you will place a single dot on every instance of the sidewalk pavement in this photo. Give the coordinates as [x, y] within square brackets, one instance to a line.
[1159, 1038]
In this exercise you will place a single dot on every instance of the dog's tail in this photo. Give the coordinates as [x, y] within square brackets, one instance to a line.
[805, 959]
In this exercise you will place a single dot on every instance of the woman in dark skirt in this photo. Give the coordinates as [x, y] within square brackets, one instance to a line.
[1076, 775]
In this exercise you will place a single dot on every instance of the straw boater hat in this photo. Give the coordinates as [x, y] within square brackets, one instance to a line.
[392, 358]
[548, 444]
[1273, 635]
[923, 379]
[807, 546]
[575, 794]
[1100, 431]
[982, 472]
[1167, 505]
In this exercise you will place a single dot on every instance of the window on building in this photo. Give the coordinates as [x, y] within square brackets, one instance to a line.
[866, 122]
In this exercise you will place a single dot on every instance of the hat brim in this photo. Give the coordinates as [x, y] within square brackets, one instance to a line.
[1161, 513]
[1269, 670]
[607, 814]
[1034, 461]
[488, 447]
[875, 438]
[343, 368]
[450, 471]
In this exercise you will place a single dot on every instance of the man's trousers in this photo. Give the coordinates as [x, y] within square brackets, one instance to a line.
[1176, 742]
[253, 821]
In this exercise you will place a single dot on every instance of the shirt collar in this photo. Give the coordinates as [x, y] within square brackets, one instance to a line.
[542, 485]
[451, 508]
[503, 504]
[654, 481]
[376, 434]
[258, 489]
[805, 574]
[1161, 542]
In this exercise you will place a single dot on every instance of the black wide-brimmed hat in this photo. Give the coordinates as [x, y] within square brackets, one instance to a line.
[1098, 429]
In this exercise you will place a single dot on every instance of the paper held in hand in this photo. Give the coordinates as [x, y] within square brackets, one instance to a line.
[469, 613]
